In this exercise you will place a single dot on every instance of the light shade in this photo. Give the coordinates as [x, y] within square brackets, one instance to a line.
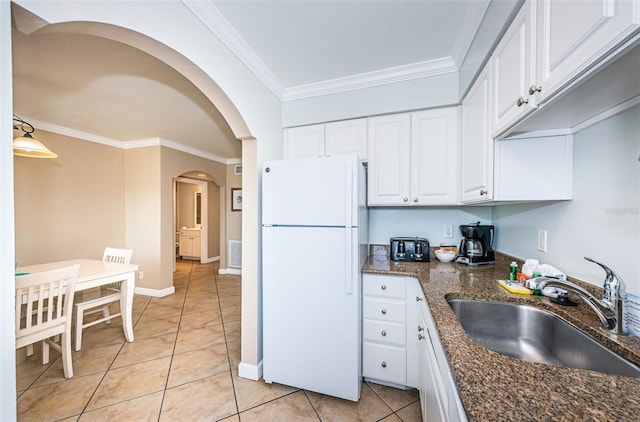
[26, 146]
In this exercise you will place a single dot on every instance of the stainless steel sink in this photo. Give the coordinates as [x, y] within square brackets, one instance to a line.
[531, 334]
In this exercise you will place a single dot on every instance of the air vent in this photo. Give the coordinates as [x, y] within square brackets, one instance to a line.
[235, 253]
[238, 169]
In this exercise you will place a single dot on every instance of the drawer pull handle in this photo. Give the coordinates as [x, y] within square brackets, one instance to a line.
[384, 312]
[384, 364]
[384, 333]
[383, 287]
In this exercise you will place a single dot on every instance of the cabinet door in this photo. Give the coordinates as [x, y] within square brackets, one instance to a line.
[304, 142]
[435, 142]
[185, 245]
[476, 162]
[572, 35]
[196, 247]
[430, 382]
[346, 137]
[388, 149]
[513, 72]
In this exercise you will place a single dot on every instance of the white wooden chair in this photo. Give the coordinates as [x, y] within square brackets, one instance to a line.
[44, 305]
[101, 297]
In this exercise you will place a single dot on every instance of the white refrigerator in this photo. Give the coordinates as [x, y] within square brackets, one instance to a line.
[314, 243]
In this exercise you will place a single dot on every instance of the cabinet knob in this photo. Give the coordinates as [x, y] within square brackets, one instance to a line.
[405, 199]
[384, 333]
[522, 101]
[384, 364]
[483, 192]
[420, 337]
[418, 299]
[383, 287]
[415, 199]
[533, 89]
[384, 312]
[420, 328]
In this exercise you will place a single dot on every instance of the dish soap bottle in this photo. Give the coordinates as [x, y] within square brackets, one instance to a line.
[513, 270]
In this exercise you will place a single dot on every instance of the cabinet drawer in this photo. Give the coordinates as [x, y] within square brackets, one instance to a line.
[384, 286]
[385, 332]
[386, 363]
[384, 310]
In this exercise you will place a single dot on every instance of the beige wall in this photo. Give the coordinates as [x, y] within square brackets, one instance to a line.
[213, 207]
[143, 201]
[72, 206]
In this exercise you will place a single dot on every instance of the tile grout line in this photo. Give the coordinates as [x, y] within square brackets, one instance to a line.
[175, 342]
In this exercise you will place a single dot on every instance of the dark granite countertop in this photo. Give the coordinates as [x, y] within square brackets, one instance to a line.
[494, 387]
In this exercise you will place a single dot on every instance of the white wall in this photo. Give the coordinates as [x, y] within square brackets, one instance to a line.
[385, 223]
[603, 219]
[7, 252]
[434, 91]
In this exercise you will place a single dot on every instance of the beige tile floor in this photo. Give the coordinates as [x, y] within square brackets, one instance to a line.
[182, 366]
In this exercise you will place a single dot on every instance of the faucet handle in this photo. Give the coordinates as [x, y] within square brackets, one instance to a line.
[614, 286]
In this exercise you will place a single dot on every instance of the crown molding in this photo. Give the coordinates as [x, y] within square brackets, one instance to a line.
[141, 143]
[366, 80]
[220, 26]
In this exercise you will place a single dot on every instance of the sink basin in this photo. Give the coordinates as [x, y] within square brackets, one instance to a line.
[531, 334]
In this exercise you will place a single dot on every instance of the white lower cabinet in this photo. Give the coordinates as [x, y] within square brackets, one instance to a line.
[384, 329]
[401, 347]
[190, 240]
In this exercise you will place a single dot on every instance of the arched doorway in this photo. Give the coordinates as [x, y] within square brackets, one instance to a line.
[145, 30]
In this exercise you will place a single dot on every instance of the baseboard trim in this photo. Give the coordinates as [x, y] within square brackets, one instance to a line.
[154, 292]
[235, 271]
[249, 371]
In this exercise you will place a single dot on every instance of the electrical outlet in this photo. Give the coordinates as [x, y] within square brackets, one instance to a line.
[140, 275]
[542, 240]
[447, 231]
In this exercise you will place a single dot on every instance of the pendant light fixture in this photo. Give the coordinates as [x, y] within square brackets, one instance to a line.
[26, 145]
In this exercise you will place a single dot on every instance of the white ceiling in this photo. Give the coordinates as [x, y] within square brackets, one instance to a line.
[298, 48]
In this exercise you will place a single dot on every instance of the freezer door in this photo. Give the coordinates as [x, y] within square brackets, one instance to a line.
[311, 192]
[312, 310]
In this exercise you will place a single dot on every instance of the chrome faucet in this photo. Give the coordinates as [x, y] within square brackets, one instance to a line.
[608, 309]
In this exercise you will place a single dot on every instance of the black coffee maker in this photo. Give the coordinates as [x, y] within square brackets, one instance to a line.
[476, 247]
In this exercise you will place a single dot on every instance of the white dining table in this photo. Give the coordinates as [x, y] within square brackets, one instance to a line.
[94, 273]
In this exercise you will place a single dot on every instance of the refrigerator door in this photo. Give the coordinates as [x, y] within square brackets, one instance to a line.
[311, 309]
[311, 192]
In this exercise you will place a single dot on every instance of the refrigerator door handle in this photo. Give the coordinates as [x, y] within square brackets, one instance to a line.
[348, 196]
[349, 263]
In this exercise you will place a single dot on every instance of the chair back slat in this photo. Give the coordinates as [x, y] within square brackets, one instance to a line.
[121, 256]
[44, 300]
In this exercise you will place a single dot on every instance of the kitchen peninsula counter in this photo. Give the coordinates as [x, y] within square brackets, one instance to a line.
[494, 387]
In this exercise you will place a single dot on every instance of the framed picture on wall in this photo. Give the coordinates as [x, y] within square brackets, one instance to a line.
[236, 199]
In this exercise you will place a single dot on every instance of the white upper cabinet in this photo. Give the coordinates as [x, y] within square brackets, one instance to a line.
[573, 35]
[435, 139]
[327, 140]
[413, 158]
[304, 142]
[389, 149]
[513, 71]
[346, 137]
[476, 156]
[550, 46]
